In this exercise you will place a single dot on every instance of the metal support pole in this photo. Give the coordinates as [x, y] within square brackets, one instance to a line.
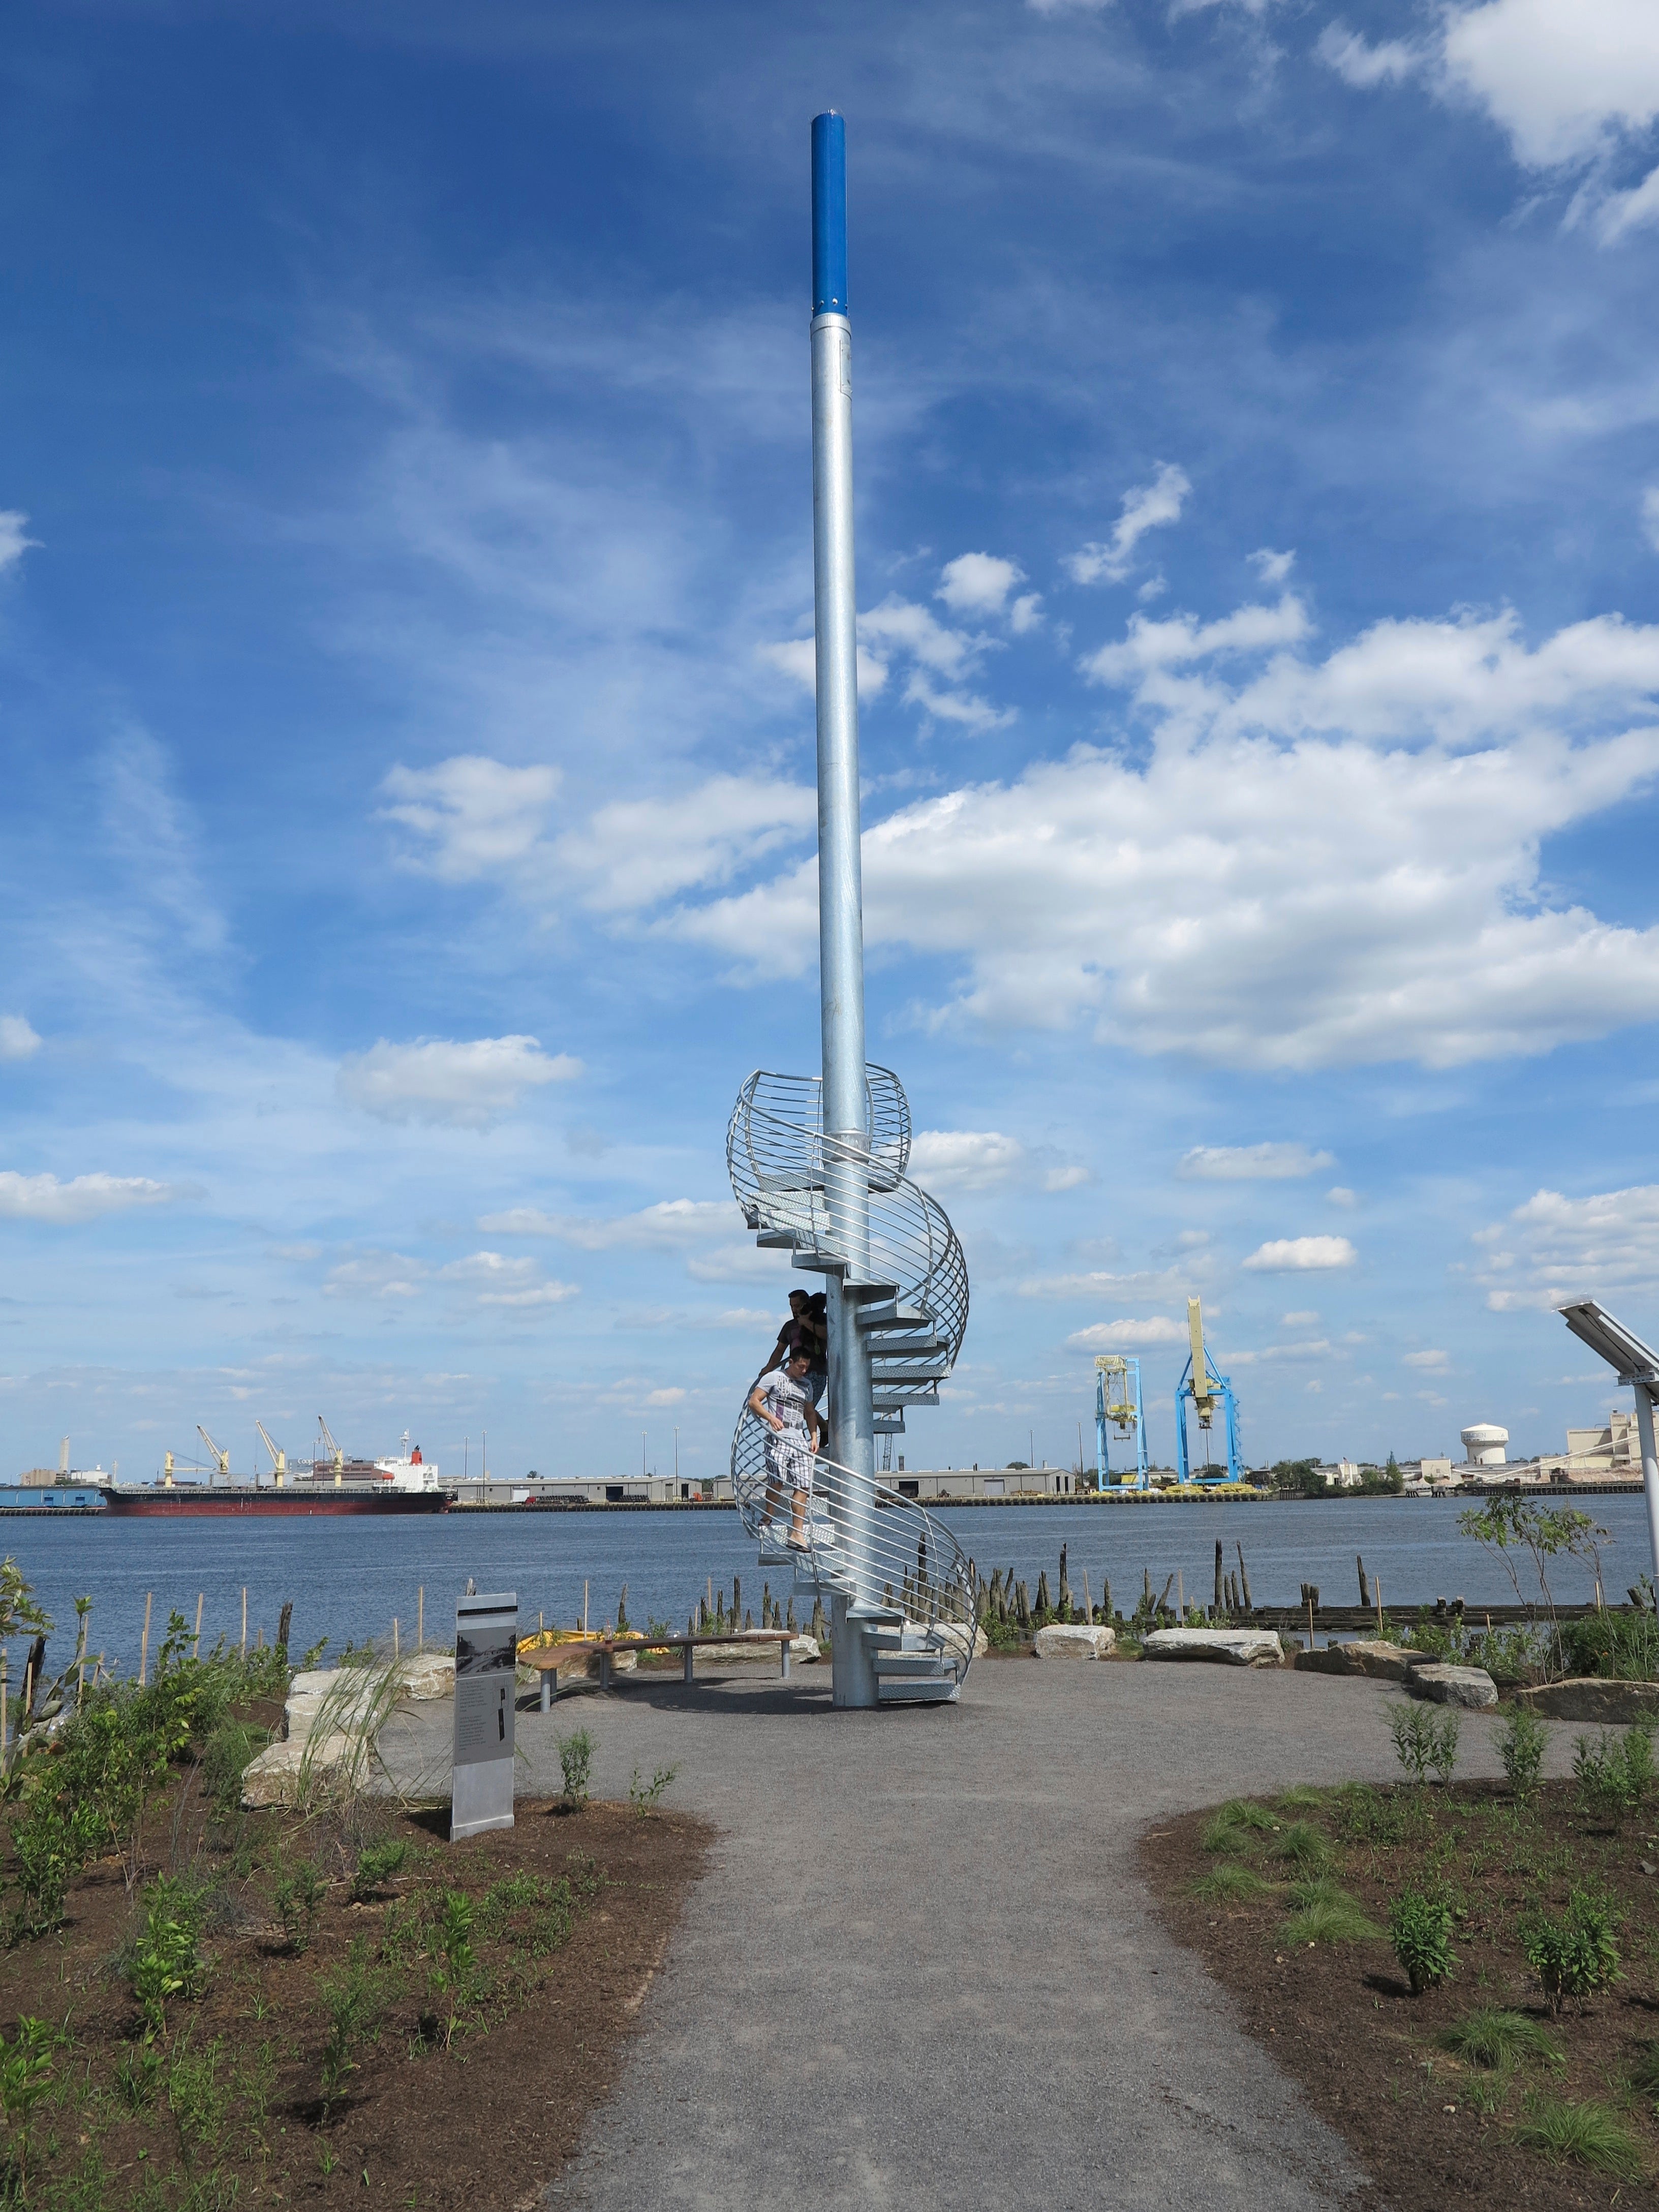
[840, 891]
[1650, 1468]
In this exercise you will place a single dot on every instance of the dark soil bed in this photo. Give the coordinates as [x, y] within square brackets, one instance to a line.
[1430, 2128]
[473, 2072]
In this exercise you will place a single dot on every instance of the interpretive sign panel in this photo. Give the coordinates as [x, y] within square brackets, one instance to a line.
[486, 1653]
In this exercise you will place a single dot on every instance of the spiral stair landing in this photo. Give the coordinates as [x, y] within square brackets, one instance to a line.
[911, 1591]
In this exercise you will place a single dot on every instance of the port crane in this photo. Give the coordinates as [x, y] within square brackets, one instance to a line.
[221, 1459]
[1201, 1385]
[335, 1456]
[1117, 1401]
[278, 1458]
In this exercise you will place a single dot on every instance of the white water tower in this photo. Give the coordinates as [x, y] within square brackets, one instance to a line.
[1484, 1445]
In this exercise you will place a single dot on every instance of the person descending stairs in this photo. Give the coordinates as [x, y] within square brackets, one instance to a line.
[913, 1592]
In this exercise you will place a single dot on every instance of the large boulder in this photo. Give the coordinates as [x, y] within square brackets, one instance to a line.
[1589, 1698]
[429, 1675]
[1382, 1662]
[1452, 1686]
[330, 1722]
[1225, 1647]
[1078, 1641]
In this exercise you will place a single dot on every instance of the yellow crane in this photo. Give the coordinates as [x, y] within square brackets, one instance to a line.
[221, 1459]
[335, 1456]
[278, 1459]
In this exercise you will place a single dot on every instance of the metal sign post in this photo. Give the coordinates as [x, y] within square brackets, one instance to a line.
[486, 1657]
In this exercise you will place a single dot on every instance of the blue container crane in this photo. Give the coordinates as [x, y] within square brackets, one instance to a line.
[1201, 1385]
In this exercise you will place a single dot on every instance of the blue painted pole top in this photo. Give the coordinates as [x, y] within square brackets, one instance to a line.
[828, 214]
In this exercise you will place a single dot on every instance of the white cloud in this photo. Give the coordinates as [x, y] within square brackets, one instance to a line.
[672, 1225]
[1571, 83]
[1128, 1335]
[1251, 1163]
[797, 657]
[17, 1038]
[978, 583]
[1340, 1195]
[671, 1396]
[83, 1198]
[1146, 506]
[1291, 1254]
[1554, 1249]
[1297, 1320]
[1071, 1178]
[1153, 647]
[1315, 1348]
[1431, 1363]
[1067, 7]
[466, 1085]
[476, 817]
[1142, 1283]
[963, 1159]
[501, 1281]
[1650, 516]
[1271, 568]
[1366, 66]
[637, 852]
[376, 1275]
[1286, 878]
[12, 542]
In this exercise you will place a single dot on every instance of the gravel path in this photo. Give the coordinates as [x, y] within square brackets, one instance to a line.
[921, 1970]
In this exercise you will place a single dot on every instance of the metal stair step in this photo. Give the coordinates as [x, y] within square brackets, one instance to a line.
[911, 1690]
[919, 1666]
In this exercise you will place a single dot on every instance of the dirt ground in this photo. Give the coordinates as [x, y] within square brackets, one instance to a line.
[1429, 2128]
[482, 2116]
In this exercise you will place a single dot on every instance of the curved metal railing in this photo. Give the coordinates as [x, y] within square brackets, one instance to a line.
[893, 1556]
[777, 1155]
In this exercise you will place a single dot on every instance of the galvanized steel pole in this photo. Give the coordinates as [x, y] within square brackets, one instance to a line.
[840, 893]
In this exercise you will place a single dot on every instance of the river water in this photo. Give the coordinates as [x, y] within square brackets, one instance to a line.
[349, 1578]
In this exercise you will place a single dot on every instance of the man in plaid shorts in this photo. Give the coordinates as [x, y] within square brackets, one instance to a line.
[782, 1398]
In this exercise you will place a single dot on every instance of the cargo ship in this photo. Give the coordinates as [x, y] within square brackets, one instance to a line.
[331, 1484]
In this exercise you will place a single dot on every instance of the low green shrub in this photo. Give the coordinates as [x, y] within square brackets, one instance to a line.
[645, 1796]
[166, 1958]
[576, 1765]
[1420, 1926]
[1576, 1953]
[353, 2000]
[1520, 1743]
[1623, 1646]
[1425, 1740]
[1495, 2038]
[377, 1865]
[1588, 2133]
[25, 2076]
[1614, 1774]
[298, 1898]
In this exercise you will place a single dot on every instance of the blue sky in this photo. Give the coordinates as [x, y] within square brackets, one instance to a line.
[404, 559]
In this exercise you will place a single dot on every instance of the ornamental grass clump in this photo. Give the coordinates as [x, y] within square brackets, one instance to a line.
[1575, 1955]
[1497, 2039]
[1232, 1828]
[1231, 1884]
[1328, 1915]
[1304, 1847]
[1589, 2134]
[1420, 1927]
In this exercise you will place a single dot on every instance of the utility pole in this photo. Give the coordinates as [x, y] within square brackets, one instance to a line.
[841, 890]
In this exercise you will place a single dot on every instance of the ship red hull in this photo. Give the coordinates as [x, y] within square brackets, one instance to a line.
[327, 1499]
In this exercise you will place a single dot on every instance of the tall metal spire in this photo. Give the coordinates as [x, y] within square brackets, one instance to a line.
[840, 891]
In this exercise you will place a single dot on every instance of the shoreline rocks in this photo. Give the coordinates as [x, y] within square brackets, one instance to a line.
[1225, 1647]
[1381, 1662]
[1594, 1698]
[1469, 1686]
[1074, 1641]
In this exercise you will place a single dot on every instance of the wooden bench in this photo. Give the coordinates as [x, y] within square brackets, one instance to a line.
[548, 1658]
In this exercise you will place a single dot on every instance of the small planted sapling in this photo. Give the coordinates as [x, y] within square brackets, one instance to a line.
[645, 1796]
[1425, 1741]
[298, 1898]
[1574, 1953]
[1420, 1926]
[1520, 1744]
[576, 1753]
[165, 1960]
[25, 2077]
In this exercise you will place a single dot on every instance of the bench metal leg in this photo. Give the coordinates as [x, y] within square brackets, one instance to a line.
[688, 1656]
[784, 1650]
[549, 1683]
[604, 1670]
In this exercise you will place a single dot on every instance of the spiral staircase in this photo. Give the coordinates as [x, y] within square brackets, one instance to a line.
[912, 1593]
